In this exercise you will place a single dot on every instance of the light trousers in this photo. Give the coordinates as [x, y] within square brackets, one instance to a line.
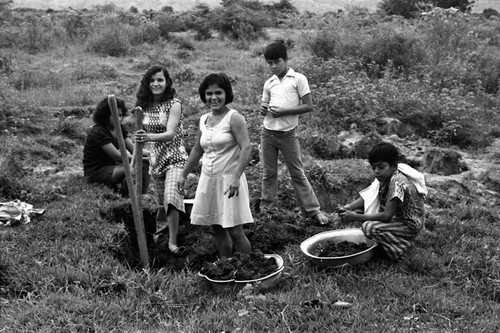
[273, 142]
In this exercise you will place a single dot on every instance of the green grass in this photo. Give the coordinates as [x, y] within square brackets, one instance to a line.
[75, 268]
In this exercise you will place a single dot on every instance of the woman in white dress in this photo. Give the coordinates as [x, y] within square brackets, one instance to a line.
[222, 199]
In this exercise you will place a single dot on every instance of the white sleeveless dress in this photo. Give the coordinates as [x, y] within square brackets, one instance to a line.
[219, 162]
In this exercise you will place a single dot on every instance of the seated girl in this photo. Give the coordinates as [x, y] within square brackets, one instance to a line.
[102, 161]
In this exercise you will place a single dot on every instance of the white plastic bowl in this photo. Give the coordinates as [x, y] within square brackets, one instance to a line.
[264, 283]
[336, 236]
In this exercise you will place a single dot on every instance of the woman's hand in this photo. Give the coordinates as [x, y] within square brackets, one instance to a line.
[141, 136]
[234, 188]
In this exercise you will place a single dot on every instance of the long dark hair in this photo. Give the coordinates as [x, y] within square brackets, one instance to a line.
[102, 112]
[144, 95]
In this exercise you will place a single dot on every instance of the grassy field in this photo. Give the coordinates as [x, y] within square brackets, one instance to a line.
[76, 267]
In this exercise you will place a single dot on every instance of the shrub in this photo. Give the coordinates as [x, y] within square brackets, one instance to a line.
[405, 8]
[168, 23]
[401, 49]
[75, 26]
[112, 41]
[236, 22]
[70, 128]
[462, 5]
[5, 6]
[30, 79]
[148, 32]
[323, 45]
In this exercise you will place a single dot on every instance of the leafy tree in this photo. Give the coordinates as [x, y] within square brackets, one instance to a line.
[241, 19]
[5, 9]
[409, 8]
[462, 5]
[405, 8]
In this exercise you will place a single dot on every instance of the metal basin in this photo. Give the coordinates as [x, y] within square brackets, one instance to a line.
[263, 283]
[310, 245]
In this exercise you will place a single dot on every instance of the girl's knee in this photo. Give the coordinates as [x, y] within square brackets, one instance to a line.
[236, 232]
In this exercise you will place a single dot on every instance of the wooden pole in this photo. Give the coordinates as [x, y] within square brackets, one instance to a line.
[138, 146]
[136, 211]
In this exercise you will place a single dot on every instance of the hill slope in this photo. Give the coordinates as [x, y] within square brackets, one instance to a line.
[181, 5]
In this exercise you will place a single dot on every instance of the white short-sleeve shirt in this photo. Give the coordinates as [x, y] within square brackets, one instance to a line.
[285, 93]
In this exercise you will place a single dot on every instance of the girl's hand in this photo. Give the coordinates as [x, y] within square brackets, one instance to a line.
[180, 185]
[233, 189]
[141, 136]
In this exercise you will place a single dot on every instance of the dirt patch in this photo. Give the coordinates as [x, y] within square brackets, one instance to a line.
[270, 233]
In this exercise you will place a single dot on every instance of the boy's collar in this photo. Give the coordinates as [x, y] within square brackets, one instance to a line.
[289, 72]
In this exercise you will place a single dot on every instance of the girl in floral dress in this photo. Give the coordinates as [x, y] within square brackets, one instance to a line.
[163, 127]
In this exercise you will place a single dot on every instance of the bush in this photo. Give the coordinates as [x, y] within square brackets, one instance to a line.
[5, 6]
[405, 8]
[462, 5]
[236, 22]
[323, 45]
[401, 49]
[168, 23]
[75, 26]
[38, 79]
[148, 32]
[112, 41]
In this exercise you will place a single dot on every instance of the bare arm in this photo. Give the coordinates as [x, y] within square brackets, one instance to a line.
[193, 160]
[305, 107]
[171, 125]
[114, 153]
[357, 204]
[385, 216]
[240, 132]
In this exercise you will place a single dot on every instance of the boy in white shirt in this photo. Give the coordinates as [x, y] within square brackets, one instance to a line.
[285, 96]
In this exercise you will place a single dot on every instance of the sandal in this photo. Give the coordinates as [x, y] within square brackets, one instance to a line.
[179, 251]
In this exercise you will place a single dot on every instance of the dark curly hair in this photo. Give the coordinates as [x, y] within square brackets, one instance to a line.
[102, 112]
[383, 152]
[144, 95]
[222, 80]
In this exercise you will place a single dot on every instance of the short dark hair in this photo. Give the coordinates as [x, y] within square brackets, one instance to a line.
[144, 95]
[275, 50]
[102, 112]
[383, 152]
[220, 79]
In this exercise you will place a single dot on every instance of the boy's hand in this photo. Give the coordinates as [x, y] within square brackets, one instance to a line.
[263, 109]
[348, 216]
[275, 111]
